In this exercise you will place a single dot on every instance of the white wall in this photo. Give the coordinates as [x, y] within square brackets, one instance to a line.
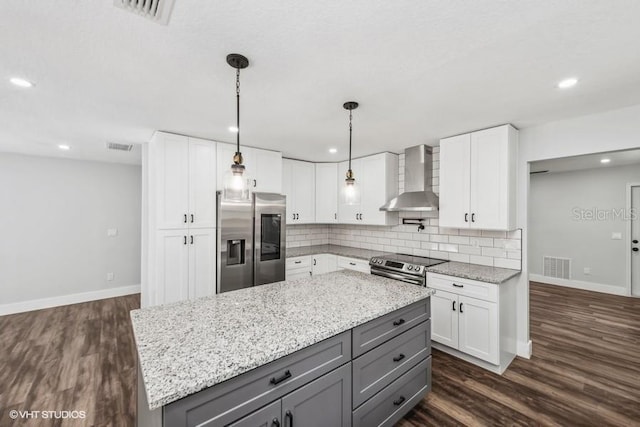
[558, 228]
[54, 216]
[608, 131]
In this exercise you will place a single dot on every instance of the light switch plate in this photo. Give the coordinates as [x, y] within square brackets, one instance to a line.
[109, 277]
[616, 236]
[112, 232]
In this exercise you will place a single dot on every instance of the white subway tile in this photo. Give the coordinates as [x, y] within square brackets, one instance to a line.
[494, 252]
[471, 250]
[439, 238]
[514, 255]
[447, 247]
[439, 254]
[494, 233]
[515, 234]
[481, 241]
[449, 231]
[458, 257]
[459, 240]
[507, 263]
[467, 232]
[482, 260]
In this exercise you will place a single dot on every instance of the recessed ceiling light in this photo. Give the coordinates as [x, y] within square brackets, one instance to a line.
[567, 83]
[233, 129]
[20, 82]
[333, 150]
[605, 160]
[64, 147]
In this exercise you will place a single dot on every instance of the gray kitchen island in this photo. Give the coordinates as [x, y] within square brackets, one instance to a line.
[340, 349]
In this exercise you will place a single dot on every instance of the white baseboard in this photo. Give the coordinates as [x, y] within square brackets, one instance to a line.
[38, 304]
[525, 349]
[578, 284]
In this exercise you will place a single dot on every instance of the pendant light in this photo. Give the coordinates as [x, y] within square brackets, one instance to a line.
[350, 191]
[237, 183]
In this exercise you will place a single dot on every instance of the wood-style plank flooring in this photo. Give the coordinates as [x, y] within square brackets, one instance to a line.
[585, 370]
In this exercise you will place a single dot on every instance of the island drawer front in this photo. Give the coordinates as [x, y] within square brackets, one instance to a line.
[470, 288]
[239, 396]
[373, 333]
[376, 369]
[298, 262]
[395, 401]
[360, 265]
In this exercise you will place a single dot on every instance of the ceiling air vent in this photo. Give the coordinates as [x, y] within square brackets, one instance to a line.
[120, 147]
[154, 10]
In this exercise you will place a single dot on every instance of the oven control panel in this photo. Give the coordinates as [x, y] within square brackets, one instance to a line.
[397, 266]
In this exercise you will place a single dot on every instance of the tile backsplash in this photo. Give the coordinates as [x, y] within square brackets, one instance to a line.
[493, 248]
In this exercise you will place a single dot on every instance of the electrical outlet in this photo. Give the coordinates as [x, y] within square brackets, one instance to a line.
[616, 236]
[587, 271]
[112, 232]
[109, 277]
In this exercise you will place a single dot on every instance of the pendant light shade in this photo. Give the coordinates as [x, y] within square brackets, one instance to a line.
[237, 183]
[350, 190]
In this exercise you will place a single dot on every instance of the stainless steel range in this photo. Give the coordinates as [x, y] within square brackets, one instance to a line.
[408, 268]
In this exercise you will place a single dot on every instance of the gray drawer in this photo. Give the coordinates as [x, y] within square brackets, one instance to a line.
[377, 331]
[376, 369]
[395, 401]
[239, 396]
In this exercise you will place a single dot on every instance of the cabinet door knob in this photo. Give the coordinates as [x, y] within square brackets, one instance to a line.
[185, 240]
[461, 304]
[466, 217]
[335, 216]
[275, 423]
[315, 262]
[454, 305]
[473, 217]
[185, 218]
[398, 322]
[192, 218]
[255, 183]
[289, 416]
[192, 239]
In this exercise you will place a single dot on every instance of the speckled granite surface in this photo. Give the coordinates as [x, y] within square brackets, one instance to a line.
[482, 273]
[191, 345]
[333, 249]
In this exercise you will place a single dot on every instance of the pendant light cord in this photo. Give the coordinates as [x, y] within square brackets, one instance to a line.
[350, 131]
[238, 110]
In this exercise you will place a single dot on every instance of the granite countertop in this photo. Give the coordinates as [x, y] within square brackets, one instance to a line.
[345, 251]
[188, 346]
[482, 273]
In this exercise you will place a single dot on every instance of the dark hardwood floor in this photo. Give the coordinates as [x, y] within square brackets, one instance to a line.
[585, 370]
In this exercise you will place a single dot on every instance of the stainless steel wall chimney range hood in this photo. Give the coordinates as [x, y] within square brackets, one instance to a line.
[418, 194]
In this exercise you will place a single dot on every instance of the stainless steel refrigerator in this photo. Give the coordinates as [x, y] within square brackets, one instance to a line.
[251, 242]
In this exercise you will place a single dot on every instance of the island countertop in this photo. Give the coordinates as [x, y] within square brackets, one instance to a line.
[191, 345]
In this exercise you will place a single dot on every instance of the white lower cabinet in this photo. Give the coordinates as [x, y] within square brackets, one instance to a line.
[298, 267]
[185, 264]
[473, 318]
[324, 263]
[355, 264]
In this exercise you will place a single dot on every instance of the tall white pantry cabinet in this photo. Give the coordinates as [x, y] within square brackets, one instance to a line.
[179, 206]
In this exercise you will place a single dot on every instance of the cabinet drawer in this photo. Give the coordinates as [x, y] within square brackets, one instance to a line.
[396, 400]
[298, 274]
[471, 288]
[354, 264]
[376, 369]
[239, 396]
[377, 331]
[298, 262]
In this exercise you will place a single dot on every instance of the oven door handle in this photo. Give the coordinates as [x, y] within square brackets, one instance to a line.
[390, 275]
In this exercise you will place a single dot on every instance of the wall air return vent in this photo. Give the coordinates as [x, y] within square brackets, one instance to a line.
[154, 10]
[560, 268]
[119, 147]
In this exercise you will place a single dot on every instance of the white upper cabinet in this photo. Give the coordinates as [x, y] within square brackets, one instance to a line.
[377, 179]
[263, 166]
[298, 184]
[478, 179]
[326, 193]
[183, 184]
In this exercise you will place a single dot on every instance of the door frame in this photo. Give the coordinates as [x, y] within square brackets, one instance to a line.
[627, 238]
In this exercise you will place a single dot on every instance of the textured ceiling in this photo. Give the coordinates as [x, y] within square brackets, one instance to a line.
[420, 69]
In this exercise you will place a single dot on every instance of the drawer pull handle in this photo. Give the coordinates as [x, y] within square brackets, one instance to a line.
[458, 286]
[460, 307]
[352, 263]
[297, 262]
[398, 358]
[454, 306]
[287, 375]
[398, 322]
[289, 416]
[275, 423]
[399, 401]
